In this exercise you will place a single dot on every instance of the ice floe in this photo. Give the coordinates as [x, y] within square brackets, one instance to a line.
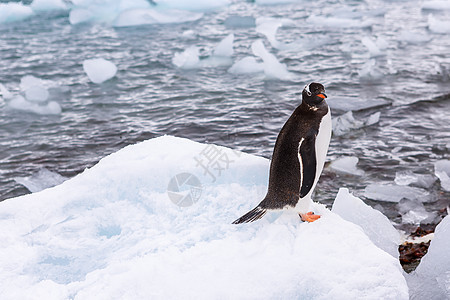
[41, 180]
[273, 69]
[413, 37]
[335, 22]
[410, 178]
[48, 5]
[114, 227]
[343, 104]
[12, 12]
[395, 193]
[188, 59]
[99, 70]
[377, 47]
[370, 71]
[442, 171]
[414, 212]
[346, 165]
[376, 225]
[436, 5]
[431, 279]
[247, 65]
[346, 122]
[145, 16]
[438, 26]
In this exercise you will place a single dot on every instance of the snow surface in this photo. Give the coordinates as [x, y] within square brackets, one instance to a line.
[431, 279]
[113, 232]
[99, 70]
[41, 180]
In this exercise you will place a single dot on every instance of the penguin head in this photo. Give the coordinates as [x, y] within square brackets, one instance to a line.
[313, 94]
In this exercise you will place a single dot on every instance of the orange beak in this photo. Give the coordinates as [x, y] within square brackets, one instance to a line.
[323, 96]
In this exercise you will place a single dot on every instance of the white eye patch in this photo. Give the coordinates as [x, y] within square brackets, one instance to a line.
[307, 90]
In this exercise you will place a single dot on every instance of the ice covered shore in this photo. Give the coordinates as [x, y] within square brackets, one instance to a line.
[153, 220]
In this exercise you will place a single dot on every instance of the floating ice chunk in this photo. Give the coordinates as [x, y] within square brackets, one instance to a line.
[346, 123]
[413, 37]
[41, 180]
[246, 65]
[436, 5]
[442, 171]
[438, 26]
[395, 193]
[46, 5]
[431, 279]
[197, 5]
[188, 59]
[375, 225]
[225, 47]
[269, 29]
[370, 72]
[99, 70]
[347, 165]
[272, 67]
[285, 22]
[419, 180]
[274, 2]
[5, 93]
[49, 108]
[413, 212]
[375, 48]
[34, 89]
[240, 22]
[355, 104]
[333, 22]
[189, 34]
[143, 16]
[80, 15]
[12, 12]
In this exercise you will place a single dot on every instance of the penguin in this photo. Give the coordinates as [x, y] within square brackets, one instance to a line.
[298, 158]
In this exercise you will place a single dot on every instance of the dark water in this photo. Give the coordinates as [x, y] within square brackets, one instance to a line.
[149, 96]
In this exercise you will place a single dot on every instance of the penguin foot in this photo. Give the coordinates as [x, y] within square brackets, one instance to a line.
[309, 217]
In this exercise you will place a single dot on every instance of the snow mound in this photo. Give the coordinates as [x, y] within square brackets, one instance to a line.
[376, 225]
[442, 171]
[114, 227]
[99, 70]
[431, 279]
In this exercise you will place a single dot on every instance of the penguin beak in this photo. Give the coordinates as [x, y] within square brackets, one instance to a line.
[322, 95]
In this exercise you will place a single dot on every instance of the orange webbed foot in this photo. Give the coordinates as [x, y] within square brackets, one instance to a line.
[309, 217]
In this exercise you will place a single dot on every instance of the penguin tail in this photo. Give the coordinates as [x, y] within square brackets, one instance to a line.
[253, 215]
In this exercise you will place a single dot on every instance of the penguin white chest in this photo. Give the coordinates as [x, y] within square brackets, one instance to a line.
[321, 148]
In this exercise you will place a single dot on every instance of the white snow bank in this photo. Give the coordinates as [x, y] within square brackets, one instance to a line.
[346, 165]
[99, 70]
[376, 225]
[442, 171]
[113, 232]
[12, 12]
[431, 279]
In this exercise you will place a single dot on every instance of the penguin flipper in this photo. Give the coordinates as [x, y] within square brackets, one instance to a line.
[308, 164]
[253, 215]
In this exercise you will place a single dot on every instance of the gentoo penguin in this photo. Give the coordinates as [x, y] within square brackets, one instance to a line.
[298, 157]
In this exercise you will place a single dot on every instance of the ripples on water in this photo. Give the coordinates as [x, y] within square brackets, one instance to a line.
[150, 96]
